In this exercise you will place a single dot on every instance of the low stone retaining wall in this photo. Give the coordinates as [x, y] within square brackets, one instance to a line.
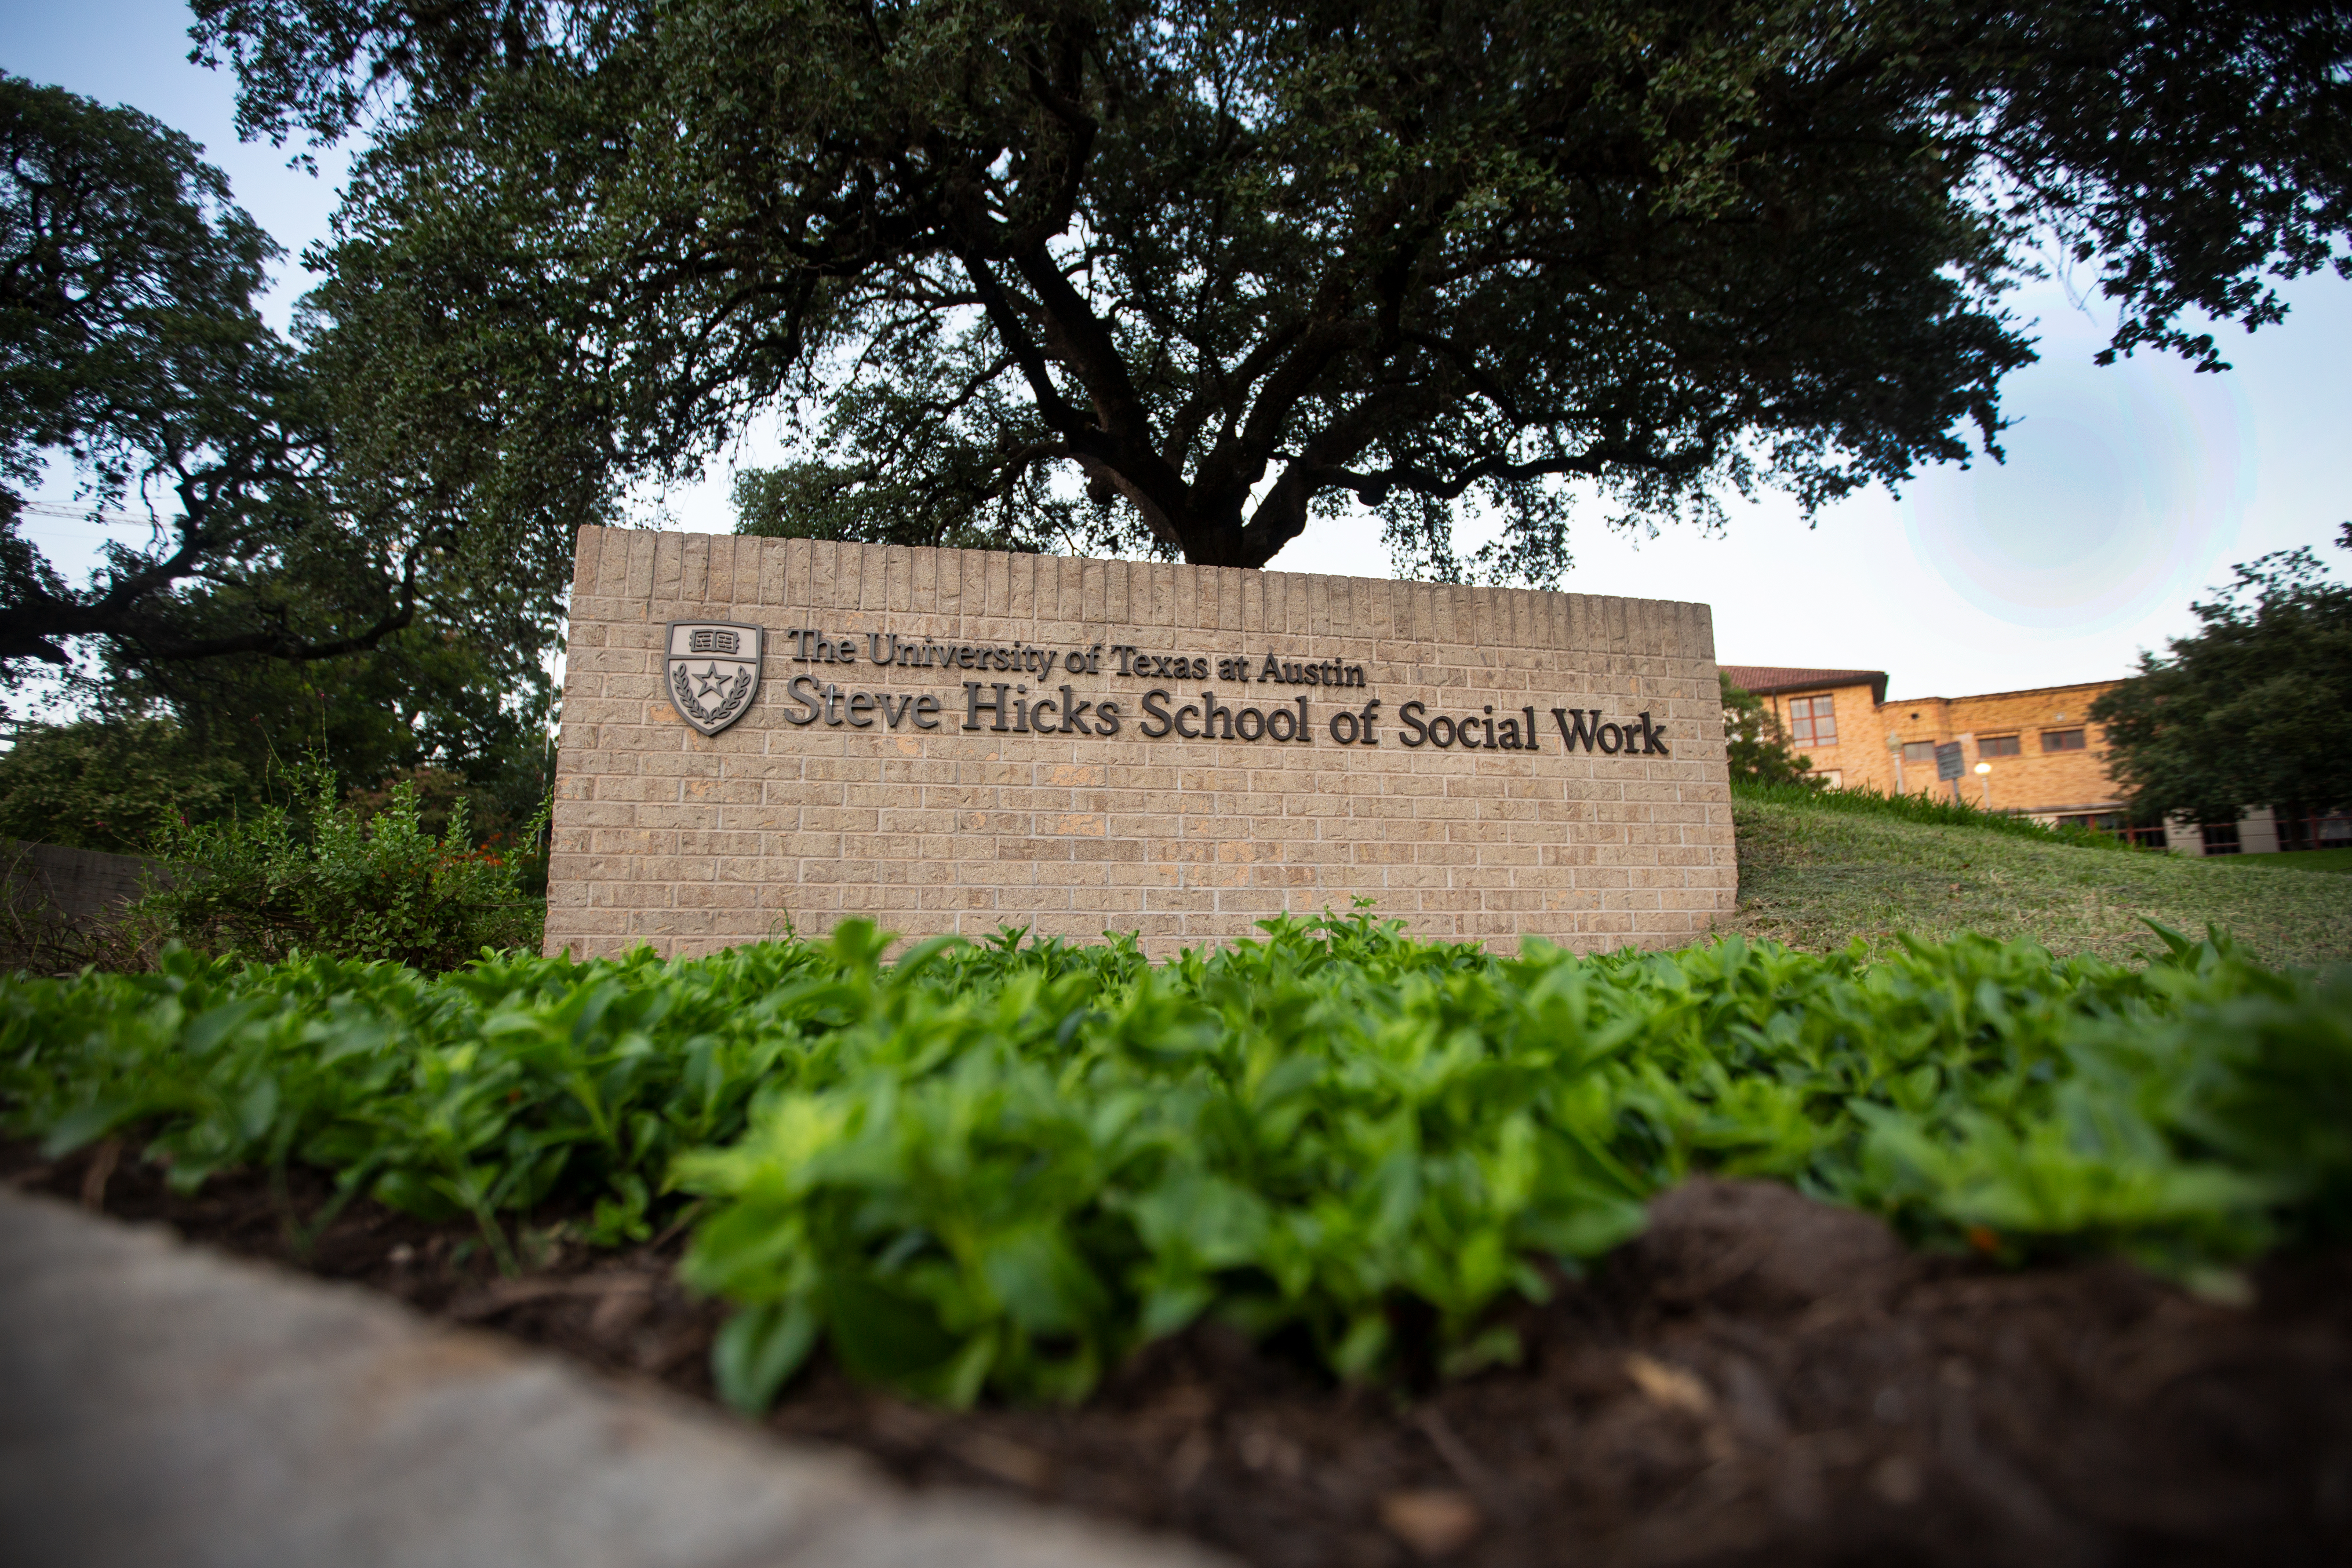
[76, 883]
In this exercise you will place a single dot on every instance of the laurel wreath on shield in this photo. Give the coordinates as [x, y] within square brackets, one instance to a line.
[731, 699]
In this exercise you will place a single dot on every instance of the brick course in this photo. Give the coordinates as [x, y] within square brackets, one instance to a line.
[666, 838]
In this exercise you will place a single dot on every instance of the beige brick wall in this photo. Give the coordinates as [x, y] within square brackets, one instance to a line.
[686, 844]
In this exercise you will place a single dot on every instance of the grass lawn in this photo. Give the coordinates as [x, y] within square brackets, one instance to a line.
[2337, 861]
[1817, 877]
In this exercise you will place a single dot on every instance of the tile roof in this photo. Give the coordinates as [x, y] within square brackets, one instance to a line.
[1767, 679]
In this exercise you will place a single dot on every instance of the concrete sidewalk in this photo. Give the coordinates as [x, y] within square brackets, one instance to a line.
[161, 1405]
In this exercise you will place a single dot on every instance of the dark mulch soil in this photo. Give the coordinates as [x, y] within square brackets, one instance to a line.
[1759, 1379]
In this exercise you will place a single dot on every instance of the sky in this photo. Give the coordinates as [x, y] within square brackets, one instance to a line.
[2127, 491]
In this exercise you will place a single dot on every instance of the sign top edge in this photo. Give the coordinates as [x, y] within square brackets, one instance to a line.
[586, 529]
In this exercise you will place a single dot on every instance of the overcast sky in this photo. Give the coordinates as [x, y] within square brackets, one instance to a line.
[2127, 491]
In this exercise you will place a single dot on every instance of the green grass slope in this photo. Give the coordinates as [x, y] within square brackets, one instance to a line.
[2335, 861]
[1816, 878]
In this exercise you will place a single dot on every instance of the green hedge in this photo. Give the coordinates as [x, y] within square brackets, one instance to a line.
[1007, 1166]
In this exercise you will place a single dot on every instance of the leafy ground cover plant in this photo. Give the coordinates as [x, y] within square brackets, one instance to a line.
[1005, 1167]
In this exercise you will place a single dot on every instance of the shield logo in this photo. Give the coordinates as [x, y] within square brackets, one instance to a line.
[712, 672]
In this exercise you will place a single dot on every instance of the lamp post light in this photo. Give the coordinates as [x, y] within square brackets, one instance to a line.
[1984, 772]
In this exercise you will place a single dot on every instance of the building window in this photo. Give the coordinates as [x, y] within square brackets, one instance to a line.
[2300, 829]
[1997, 746]
[1919, 751]
[1811, 722]
[2221, 838]
[2061, 740]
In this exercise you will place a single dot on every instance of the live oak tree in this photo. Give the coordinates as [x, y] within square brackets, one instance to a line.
[130, 347]
[1228, 265]
[299, 591]
[2255, 710]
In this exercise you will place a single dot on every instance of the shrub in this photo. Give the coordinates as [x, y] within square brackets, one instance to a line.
[1756, 746]
[521, 844]
[321, 879]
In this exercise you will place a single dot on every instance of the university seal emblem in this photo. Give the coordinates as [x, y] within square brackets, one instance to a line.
[713, 672]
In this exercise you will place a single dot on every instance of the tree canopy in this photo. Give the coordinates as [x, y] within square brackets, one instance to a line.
[2254, 710]
[303, 586]
[1230, 264]
[129, 345]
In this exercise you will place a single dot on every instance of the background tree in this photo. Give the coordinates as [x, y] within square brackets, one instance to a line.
[300, 592]
[2254, 710]
[206, 740]
[117, 785]
[129, 344]
[1758, 748]
[1235, 264]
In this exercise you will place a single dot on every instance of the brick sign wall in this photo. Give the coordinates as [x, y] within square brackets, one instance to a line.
[954, 740]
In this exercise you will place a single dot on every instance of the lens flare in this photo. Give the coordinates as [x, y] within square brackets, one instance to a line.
[2119, 500]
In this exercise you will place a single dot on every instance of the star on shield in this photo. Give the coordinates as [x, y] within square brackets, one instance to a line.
[720, 691]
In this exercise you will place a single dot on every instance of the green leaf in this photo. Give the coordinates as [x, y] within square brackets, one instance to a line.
[757, 1351]
[885, 1336]
[82, 1125]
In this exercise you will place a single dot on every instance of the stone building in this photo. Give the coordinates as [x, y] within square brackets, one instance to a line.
[2044, 757]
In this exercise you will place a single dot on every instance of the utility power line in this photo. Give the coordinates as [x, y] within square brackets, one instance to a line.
[89, 515]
